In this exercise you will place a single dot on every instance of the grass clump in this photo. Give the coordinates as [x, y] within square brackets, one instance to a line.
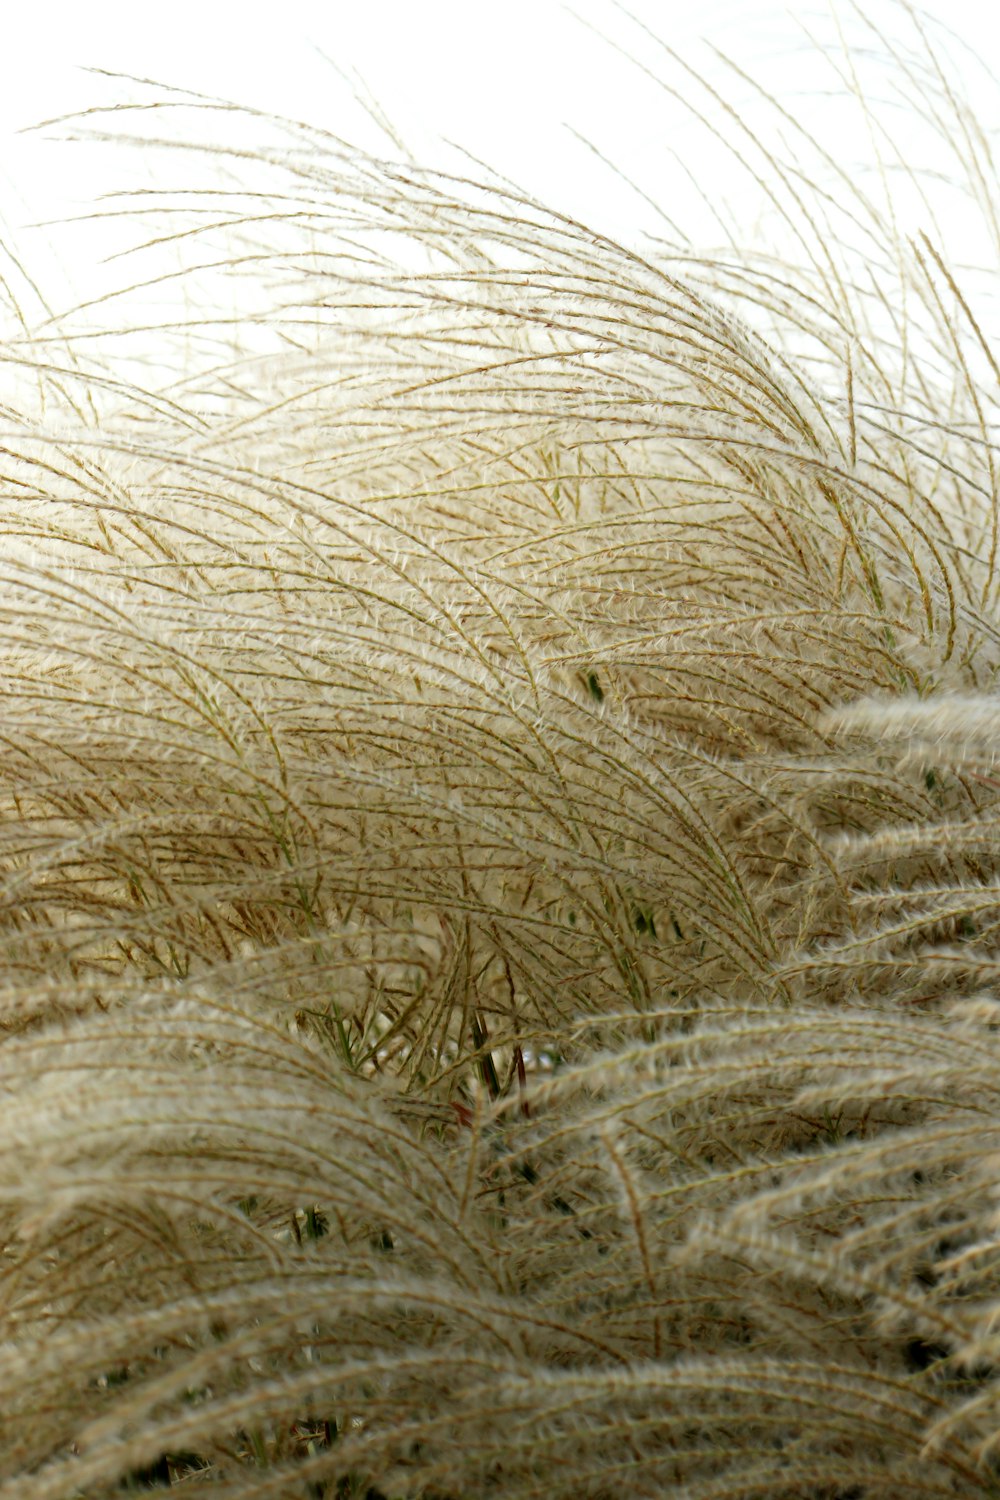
[499, 859]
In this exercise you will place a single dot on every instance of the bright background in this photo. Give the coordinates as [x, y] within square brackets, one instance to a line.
[504, 80]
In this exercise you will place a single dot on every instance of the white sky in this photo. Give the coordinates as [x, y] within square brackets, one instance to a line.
[503, 79]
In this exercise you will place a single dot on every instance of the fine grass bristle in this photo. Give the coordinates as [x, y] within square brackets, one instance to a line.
[500, 923]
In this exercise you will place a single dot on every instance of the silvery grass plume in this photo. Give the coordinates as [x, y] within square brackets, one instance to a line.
[501, 908]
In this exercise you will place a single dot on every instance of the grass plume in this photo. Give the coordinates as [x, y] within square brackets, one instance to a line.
[500, 917]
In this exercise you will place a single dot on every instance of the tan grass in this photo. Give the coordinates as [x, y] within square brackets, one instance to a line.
[500, 907]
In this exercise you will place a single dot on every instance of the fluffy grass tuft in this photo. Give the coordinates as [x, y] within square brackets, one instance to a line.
[500, 921]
